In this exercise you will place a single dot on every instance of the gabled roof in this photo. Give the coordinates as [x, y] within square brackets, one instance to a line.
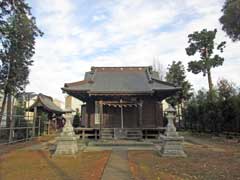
[120, 80]
[47, 103]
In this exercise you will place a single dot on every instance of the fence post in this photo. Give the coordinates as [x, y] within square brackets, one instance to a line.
[39, 126]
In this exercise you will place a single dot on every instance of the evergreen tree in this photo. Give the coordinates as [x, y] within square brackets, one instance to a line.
[76, 119]
[203, 42]
[18, 32]
[230, 19]
[176, 75]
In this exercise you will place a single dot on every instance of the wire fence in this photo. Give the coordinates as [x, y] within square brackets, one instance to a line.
[17, 128]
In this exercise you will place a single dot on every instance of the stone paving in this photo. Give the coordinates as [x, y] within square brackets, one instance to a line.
[117, 167]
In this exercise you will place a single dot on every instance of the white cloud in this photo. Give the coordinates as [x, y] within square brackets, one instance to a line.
[121, 33]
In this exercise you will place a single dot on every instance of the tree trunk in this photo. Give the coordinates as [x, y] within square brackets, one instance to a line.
[9, 109]
[10, 119]
[182, 114]
[3, 106]
[210, 84]
[179, 115]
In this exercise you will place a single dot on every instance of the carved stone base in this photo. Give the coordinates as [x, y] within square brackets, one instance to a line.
[67, 141]
[172, 146]
[66, 146]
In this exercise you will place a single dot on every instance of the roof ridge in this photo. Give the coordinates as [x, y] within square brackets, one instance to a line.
[164, 82]
[127, 67]
[43, 95]
[76, 83]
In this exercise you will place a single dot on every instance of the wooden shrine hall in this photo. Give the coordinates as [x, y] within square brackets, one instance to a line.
[121, 98]
[45, 104]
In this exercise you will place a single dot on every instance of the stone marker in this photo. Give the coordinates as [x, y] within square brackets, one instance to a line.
[172, 142]
[67, 141]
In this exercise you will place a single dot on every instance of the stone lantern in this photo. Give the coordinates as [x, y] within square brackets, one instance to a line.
[67, 141]
[172, 142]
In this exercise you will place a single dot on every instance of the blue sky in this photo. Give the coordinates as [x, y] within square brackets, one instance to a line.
[80, 34]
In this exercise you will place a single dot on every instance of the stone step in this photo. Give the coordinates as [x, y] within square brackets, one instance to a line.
[107, 135]
[107, 130]
[134, 135]
[130, 143]
[133, 132]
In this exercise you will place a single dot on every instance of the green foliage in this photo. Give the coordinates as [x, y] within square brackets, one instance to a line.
[203, 43]
[76, 119]
[18, 32]
[230, 19]
[18, 39]
[226, 89]
[176, 75]
[221, 113]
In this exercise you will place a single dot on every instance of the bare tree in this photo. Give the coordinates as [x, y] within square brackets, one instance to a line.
[158, 67]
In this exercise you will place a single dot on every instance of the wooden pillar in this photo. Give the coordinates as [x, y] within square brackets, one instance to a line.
[88, 107]
[140, 109]
[160, 108]
[157, 114]
[39, 125]
[97, 114]
[34, 121]
[101, 116]
[121, 116]
[121, 111]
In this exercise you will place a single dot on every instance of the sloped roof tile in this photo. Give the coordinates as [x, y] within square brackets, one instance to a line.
[120, 79]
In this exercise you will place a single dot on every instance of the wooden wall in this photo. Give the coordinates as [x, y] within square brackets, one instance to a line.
[111, 117]
[152, 115]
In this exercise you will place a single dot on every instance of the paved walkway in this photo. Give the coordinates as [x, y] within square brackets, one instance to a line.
[117, 167]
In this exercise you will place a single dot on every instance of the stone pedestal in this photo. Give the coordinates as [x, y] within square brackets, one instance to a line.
[172, 146]
[172, 142]
[67, 141]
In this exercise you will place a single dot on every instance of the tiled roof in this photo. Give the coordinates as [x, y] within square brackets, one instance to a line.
[47, 103]
[120, 80]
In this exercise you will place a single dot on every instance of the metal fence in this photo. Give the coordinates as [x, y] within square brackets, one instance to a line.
[17, 128]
